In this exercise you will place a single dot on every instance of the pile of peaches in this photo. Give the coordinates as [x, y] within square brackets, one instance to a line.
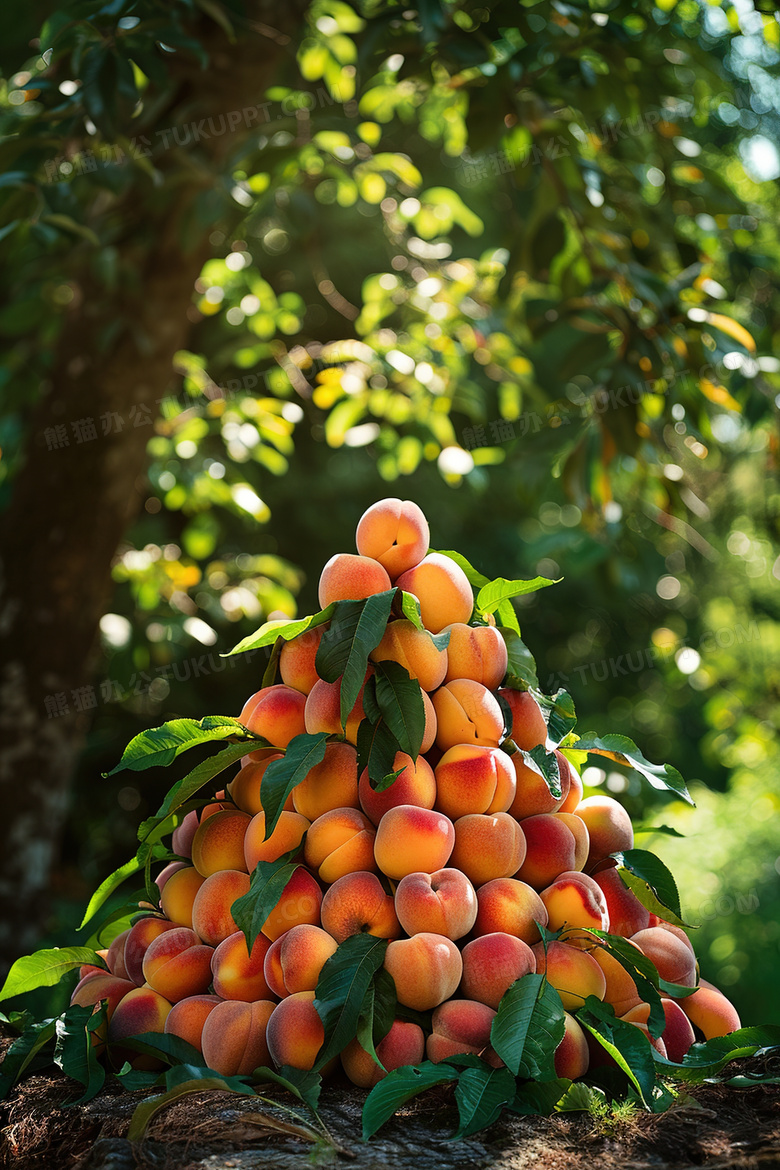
[458, 862]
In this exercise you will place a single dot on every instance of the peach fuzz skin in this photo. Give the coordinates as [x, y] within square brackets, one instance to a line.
[395, 533]
[177, 964]
[442, 589]
[415, 650]
[426, 970]
[219, 842]
[572, 972]
[555, 843]
[187, 1017]
[529, 728]
[297, 660]
[443, 902]
[237, 974]
[572, 1056]
[211, 915]
[710, 1012]
[459, 1026]
[340, 842]
[403, 1044]
[415, 785]
[347, 577]
[609, 827]
[178, 895]
[299, 905]
[358, 904]
[244, 789]
[476, 652]
[574, 899]
[473, 779]
[677, 1035]
[287, 835]
[233, 1040]
[330, 784]
[411, 839]
[141, 934]
[491, 964]
[532, 794]
[509, 906]
[295, 1033]
[323, 711]
[467, 713]
[276, 713]
[487, 847]
[294, 962]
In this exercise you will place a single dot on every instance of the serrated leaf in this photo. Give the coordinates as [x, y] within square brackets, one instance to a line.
[559, 713]
[75, 1052]
[23, 1051]
[624, 751]
[270, 631]
[521, 672]
[528, 1027]
[302, 754]
[45, 968]
[356, 628]
[377, 748]
[398, 1087]
[708, 1058]
[159, 746]
[480, 1094]
[627, 1045]
[267, 884]
[400, 702]
[341, 990]
[651, 882]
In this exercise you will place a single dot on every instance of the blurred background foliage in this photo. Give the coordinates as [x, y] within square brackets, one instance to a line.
[516, 261]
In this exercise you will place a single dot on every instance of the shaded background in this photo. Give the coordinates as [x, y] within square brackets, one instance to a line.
[515, 262]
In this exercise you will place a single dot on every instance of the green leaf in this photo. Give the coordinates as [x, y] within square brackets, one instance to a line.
[558, 710]
[45, 968]
[302, 754]
[169, 1047]
[341, 990]
[651, 882]
[377, 1013]
[357, 628]
[305, 1085]
[641, 970]
[545, 764]
[23, 1051]
[581, 1098]
[491, 595]
[663, 830]
[398, 1087]
[267, 884]
[399, 699]
[406, 605]
[148, 1109]
[112, 883]
[521, 666]
[539, 1097]
[269, 675]
[675, 990]
[184, 789]
[707, 1059]
[377, 747]
[75, 1053]
[160, 746]
[476, 579]
[270, 631]
[624, 751]
[627, 1045]
[481, 1093]
[528, 1027]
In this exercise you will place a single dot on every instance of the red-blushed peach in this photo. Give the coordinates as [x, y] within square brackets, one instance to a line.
[529, 728]
[508, 906]
[331, 784]
[358, 904]
[177, 964]
[323, 711]
[426, 970]
[93, 968]
[293, 963]
[442, 589]
[297, 660]
[672, 958]
[95, 987]
[115, 959]
[395, 533]
[532, 793]
[459, 1026]
[138, 939]
[573, 973]
[627, 915]
[411, 840]
[571, 803]
[472, 779]
[467, 713]
[492, 963]
[219, 842]
[299, 904]
[443, 902]
[678, 932]
[677, 1035]
[555, 843]
[187, 1017]
[347, 577]
[340, 842]
[181, 841]
[574, 899]
[245, 788]
[571, 1056]
[415, 785]
[233, 1040]
[211, 916]
[171, 868]
[415, 650]
[178, 895]
[287, 835]
[141, 1010]
[621, 991]
[237, 974]
[487, 847]
[710, 1012]
[476, 652]
[429, 735]
[608, 824]
[295, 1033]
[403, 1044]
[276, 713]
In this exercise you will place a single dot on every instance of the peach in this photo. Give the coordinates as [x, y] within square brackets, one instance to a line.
[532, 795]
[710, 1012]
[171, 868]
[211, 916]
[181, 841]
[411, 840]
[608, 824]
[115, 959]
[573, 973]
[555, 843]
[571, 803]
[492, 963]
[93, 968]
[677, 1035]
[233, 1040]
[177, 964]
[429, 735]
[276, 713]
[415, 785]
[415, 650]
[339, 842]
[137, 941]
[672, 958]
[472, 779]
[358, 904]
[178, 895]
[621, 991]
[506, 905]
[236, 973]
[476, 652]
[293, 963]
[459, 1025]
[426, 970]
[219, 842]
[395, 533]
[97, 986]
[331, 784]
[187, 1017]
[299, 904]
[295, 1033]
[529, 727]
[488, 847]
[141, 1010]
[403, 1044]
[443, 902]
[442, 589]
[347, 577]
[287, 835]
[244, 789]
[467, 713]
[297, 660]
[627, 915]
[574, 899]
[323, 711]
[572, 1056]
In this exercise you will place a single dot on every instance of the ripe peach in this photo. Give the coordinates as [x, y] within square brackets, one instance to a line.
[97, 986]
[297, 660]
[472, 779]
[429, 735]
[677, 1034]
[115, 959]
[442, 589]
[187, 1017]
[443, 902]
[488, 847]
[572, 1056]
[492, 963]
[141, 1010]
[323, 711]
[181, 841]
[237, 974]
[459, 1025]
[347, 577]
[627, 915]
[572, 801]
[476, 652]
[233, 1040]
[573, 973]
[211, 916]
[529, 728]
[357, 904]
[177, 964]
[178, 895]
[294, 962]
[171, 868]
[556, 843]
[339, 842]
[415, 650]
[467, 713]
[94, 968]
[710, 1012]
[512, 907]
[299, 904]
[276, 713]
[331, 784]
[621, 990]
[415, 785]
[287, 835]
[295, 1033]
[426, 970]
[411, 840]
[574, 899]
[672, 958]
[219, 842]
[403, 1044]
[137, 941]
[395, 533]
[245, 787]
[608, 825]
[533, 796]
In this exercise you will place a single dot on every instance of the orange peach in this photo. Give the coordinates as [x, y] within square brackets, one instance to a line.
[608, 824]
[358, 904]
[429, 735]
[331, 784]
[442, 589]
[187, 1017]
[295, 1033]
[94, 968]
[115, 959]
[415, 785]
[245, 788]
[529, 728]
[426, 970]
[323, 711]
[459, 1026]
[178, 895]
[488, 847]
[297, 660]
[556, 843]
[627, 915]
[467, 713]
[237, 973]
[97, 986]
[573, 973]
[233, 1040]
[211, 916]
[294, 962]
[673, 959]
[415, 650]
[512, 907]
[411, 840]
[574, 899]
[177, 964]
[476, 652]
[170, 869]
[677, 1035]
[276, 713]
[443, 902]
[287, 835]
[141, 1010]
[533, 796]
[395, 533]
[347, 577]
[403, 1044]
[572, 1056]
[141, 935]
[710, 1012]
[299, 904]
[492, 963]
[219, 842]
[571, 803]
[472, 779]
[181, 841]
[339, 842]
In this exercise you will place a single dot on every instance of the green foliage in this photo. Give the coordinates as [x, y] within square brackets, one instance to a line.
[651, 882]
[356, 629]
[267, 884]
[303, 753]
[45, 968]
[344, 984]
[528, 1027]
